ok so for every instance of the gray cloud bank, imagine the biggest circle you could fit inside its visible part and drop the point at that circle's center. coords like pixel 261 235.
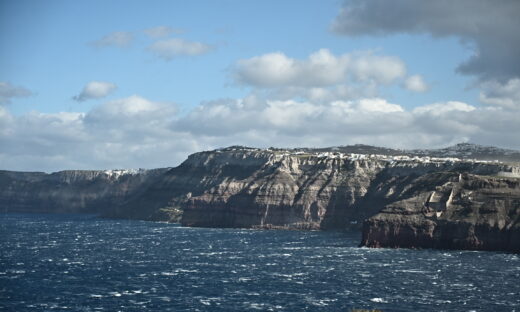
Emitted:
pixel 491 26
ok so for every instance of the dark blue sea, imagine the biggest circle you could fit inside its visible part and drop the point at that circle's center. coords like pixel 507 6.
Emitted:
pixel 82 263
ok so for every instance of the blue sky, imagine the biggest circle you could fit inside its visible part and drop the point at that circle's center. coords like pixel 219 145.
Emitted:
pixel 51 39
pixel 218 73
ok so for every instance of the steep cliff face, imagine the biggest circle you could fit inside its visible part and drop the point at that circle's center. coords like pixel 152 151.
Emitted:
pixel 451 211
pixel 299 191
pixel 274 189
pixel 309 192
pixel 78 191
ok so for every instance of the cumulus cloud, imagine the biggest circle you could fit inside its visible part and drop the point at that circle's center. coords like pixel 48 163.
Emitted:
pixel 348 91
pixel 381 69
pixel 415 83
pixel 371 121
pixel 9 91
pixel 321 68
pixel 138 132
pixel 491 26
pixel 133 107
pixel 258 122
pixel 499 94
pixel 116 39
pixel 167 49
pixel 95 90
pixel 299 120
pixel 162 31
pixel 378 105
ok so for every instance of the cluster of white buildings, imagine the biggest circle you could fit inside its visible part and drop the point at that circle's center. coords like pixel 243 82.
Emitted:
pixel 389 158
pixel 354 156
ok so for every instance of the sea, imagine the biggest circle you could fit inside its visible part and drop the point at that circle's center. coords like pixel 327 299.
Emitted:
pixel 71 262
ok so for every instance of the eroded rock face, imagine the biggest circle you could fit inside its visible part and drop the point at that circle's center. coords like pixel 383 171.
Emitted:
pixel 266 189
pixel 284 191
pixel 451 211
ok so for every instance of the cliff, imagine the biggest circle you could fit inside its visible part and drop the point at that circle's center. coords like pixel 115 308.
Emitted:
pixel 399 199
pixel 71 191
pixel 450 211
pixel 238 187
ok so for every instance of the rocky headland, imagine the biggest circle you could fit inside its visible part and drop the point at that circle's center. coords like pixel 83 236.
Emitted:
pixel 463 197
pixel 70 191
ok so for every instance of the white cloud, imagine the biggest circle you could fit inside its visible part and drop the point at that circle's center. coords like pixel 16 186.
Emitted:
pixel 378 105
pixel 505 95
pixel 169 48
pixel 437 109
pixel 268 70
pixel 415 83
pixel 118 39
pixel 162 31
pixel 320 69
pixel 381 69
pixel 131 107
pixel 348 91
pixel 131 132
pixel 95 90
pixel 137 132
pixel 9 91
pixel 289 114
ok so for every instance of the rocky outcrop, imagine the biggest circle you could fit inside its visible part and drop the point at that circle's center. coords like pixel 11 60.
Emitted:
pixel 71 191
pixel 450 211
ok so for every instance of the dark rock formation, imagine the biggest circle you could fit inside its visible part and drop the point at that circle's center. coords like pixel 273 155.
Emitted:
pixel 71 191
pixel 450 211
pixel 274 189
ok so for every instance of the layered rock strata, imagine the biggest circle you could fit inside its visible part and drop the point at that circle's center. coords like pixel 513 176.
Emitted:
pixel 450 211
pixel 271 189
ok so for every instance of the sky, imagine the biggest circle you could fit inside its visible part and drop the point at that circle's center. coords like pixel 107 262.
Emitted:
pixel 143 84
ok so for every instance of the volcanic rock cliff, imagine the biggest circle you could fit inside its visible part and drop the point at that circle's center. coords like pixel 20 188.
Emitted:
pixel 278 189
pixel 451 211
pixel 401 199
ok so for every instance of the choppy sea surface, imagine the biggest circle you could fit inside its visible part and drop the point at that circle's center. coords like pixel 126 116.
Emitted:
pixel 82 263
